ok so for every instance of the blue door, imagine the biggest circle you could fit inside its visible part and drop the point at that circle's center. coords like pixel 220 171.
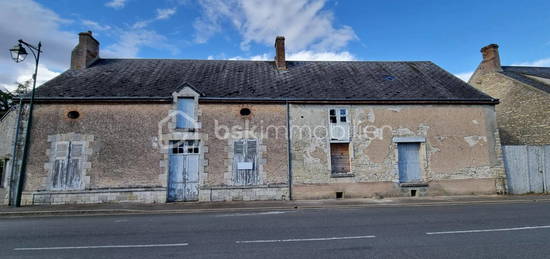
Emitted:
pixel 183 179
pixel 409 162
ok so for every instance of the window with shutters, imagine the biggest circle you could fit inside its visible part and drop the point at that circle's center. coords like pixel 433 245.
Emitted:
pixel 339 125
pixel 67 166
pixel 185 119
pixel 245 162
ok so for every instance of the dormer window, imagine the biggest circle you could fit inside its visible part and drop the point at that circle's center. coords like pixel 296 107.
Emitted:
pixel 185 118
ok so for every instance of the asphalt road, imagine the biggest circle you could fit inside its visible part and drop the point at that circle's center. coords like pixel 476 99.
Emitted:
pixel 517 230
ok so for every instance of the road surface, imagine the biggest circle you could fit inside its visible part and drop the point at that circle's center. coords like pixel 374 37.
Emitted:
pixel 510 230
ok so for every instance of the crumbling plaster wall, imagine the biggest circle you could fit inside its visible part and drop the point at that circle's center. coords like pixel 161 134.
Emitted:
pixel 523 114
pixel 459 143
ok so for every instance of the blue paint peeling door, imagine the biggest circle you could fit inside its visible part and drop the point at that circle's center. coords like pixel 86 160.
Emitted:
pixel 409 162
pixel 183 182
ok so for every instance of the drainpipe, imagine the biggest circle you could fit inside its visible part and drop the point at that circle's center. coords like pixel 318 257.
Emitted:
pixel 289 151
pixel 14 158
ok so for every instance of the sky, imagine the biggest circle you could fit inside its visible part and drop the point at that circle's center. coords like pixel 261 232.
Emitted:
pixel 448 33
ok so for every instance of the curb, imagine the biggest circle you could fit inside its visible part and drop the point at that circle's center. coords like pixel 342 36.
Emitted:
pixel 295 206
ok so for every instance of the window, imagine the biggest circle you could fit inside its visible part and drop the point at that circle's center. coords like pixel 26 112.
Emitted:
pixel 245 112
pixel 245 157
pixel 339 158
pixel 67 167
pixel 73 115
pixel 3 169
pixel 409 162
pixel 185 119
pixel 339 125
pixel 185 147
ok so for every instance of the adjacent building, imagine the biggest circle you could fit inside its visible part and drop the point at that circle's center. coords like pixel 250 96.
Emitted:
pixel 524 92
pixel 162 130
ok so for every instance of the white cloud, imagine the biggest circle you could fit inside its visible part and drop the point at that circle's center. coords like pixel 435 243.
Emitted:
pixel 545 62
pixel 95 26
pixel 304 23
pixel 162 14
pixel 34 23
pixel 116 4
pixel 165 13
pixel 256 58
pixel 130 42
pixel 465 76
pixel 307 55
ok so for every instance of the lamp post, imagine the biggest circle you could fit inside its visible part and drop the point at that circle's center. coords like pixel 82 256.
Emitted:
pixel 18 54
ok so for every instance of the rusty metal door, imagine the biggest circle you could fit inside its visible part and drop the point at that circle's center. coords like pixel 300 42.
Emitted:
pixel 183 181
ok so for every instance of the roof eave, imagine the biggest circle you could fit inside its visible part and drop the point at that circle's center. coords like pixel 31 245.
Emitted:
pixel 269 100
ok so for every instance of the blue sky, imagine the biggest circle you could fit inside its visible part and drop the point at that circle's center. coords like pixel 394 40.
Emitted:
pixel 449 33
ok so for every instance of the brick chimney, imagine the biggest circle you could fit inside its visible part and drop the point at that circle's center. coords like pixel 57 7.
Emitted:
pixel 86 52
pixel 280 61
pixel 491 59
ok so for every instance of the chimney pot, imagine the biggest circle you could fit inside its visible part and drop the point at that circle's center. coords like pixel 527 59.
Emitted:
pixel 86 52
pixel 280 60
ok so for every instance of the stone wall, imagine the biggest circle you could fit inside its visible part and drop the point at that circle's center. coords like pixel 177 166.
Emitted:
pixel 222 124
pixel 124 156
pixel 523 114
pixel 7 138
pixel 460 154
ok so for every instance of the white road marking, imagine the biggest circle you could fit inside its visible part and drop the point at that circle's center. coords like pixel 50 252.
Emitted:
pixel 252 214
pixel 303 239
pixel 95 247
pixel 486 230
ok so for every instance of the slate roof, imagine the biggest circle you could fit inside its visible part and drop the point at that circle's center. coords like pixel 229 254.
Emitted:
pixel 225 79
pixel 519 73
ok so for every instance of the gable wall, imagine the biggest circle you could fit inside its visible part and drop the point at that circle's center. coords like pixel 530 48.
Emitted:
pixel 523 115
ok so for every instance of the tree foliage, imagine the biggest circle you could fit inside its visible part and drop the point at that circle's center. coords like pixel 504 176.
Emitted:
pixel 6 98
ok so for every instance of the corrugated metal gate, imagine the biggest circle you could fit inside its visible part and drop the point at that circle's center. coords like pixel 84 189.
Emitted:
pixel 527 168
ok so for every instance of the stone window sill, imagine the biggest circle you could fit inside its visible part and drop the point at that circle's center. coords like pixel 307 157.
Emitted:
pixel 342 175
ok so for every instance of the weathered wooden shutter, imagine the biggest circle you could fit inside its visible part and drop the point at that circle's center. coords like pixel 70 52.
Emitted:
pixel 67 168
pixel 74 166
pixel 409 162
pixel 244 162
pixel 60 164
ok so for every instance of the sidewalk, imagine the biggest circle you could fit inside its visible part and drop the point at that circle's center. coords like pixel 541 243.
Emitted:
pixel 234 206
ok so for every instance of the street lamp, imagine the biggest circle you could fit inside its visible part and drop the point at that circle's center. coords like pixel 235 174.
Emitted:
pixel 18 54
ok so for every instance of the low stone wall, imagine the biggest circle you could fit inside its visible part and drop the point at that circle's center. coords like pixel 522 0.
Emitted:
pixel 240 193
pixel 141 195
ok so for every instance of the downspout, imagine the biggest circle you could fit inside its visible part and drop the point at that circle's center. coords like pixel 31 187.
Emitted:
pixel 14 158
pixel 289 151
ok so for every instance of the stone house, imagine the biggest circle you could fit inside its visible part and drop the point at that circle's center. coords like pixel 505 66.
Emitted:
pixel 7 135
pixel 161 130
pixel 524 112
